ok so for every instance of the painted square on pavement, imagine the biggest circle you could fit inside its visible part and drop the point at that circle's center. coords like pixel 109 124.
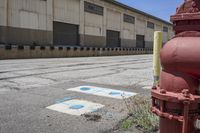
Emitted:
pixel 106 92
pixel 75 107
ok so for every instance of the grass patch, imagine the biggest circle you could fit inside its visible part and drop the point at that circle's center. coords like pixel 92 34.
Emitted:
pixel 126 124
pixel 140 114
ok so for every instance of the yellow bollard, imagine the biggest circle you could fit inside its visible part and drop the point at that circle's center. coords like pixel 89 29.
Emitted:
pixel 158 37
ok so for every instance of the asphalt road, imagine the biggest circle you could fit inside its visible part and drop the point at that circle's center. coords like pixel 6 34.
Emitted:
pixel 27 87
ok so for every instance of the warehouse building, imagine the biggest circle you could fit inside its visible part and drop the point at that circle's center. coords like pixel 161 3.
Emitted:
pixel 93 23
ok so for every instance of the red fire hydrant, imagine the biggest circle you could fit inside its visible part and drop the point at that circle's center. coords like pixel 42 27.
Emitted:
pixel 177 98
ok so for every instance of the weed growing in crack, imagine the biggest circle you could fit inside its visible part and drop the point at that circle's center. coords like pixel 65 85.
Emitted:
pixel 140 114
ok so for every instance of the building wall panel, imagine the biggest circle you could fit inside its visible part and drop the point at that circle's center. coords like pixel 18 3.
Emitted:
pixel 93 24
pixel 14 18
pixel 171 34
pixel 67 11
pixel 158 27
pixel 140 26
pixel 113 20
pixel 26 22
pixel 49 15
pixel 31 14
pixel 165 37
pixel 128 39
pixel 168 35
pixel 2 17
pixel 93 30
pixel 149 34
pixel 128 31
pixel 3 12
pixel 2 3
pixel 29 20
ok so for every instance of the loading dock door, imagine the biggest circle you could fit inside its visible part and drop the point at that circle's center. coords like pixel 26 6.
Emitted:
pixel 113 38
pixel 140 42
pixel 65 34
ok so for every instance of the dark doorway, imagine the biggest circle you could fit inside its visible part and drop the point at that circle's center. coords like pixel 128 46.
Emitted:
pixel 140 42
pixel 65 34
pixel 112 38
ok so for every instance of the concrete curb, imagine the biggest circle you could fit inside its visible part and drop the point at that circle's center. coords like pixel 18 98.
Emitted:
pixel 27 52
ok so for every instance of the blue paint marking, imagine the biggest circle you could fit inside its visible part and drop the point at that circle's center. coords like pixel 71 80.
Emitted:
pixel 114 93
pixel 85 89
pixel 76 107
pixel 64 99
pixel 103 92
pixel 94 110
pixel 128 95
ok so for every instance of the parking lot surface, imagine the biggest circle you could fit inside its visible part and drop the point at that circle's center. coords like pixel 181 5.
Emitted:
pixel 28 87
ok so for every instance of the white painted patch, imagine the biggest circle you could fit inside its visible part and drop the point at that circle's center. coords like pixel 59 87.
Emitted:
pixel 197 124
pixel 118 94
pixel 75 107
pixel 147 87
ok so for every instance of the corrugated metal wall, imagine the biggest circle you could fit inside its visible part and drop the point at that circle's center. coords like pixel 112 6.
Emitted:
pixel 113 38
pixel 140 41
pixel 65 34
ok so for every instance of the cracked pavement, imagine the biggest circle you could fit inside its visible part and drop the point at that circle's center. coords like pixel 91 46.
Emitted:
pixel 28 86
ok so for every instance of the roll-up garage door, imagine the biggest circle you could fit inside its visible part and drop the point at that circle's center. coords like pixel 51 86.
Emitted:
pixel 140 42
pixel 65 34
pixel 113 38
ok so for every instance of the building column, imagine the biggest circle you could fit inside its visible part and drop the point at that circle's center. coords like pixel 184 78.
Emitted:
pixel 104 30
pixel 122 29
pixel 4 22
pixel 82 24
pixel 50 19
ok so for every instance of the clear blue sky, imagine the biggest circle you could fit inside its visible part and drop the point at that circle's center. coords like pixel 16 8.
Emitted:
pixel 159 8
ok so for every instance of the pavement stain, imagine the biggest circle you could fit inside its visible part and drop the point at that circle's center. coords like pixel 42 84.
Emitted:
pixel 92 117
pixel 14 88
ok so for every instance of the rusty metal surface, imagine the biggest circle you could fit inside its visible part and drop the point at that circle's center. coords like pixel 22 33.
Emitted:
pixel 187 17
pixel 176 99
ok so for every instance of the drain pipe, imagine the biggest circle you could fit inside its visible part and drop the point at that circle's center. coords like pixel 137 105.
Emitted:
pixel 158 37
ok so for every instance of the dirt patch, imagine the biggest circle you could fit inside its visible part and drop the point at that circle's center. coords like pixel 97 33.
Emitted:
pixel 92 117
